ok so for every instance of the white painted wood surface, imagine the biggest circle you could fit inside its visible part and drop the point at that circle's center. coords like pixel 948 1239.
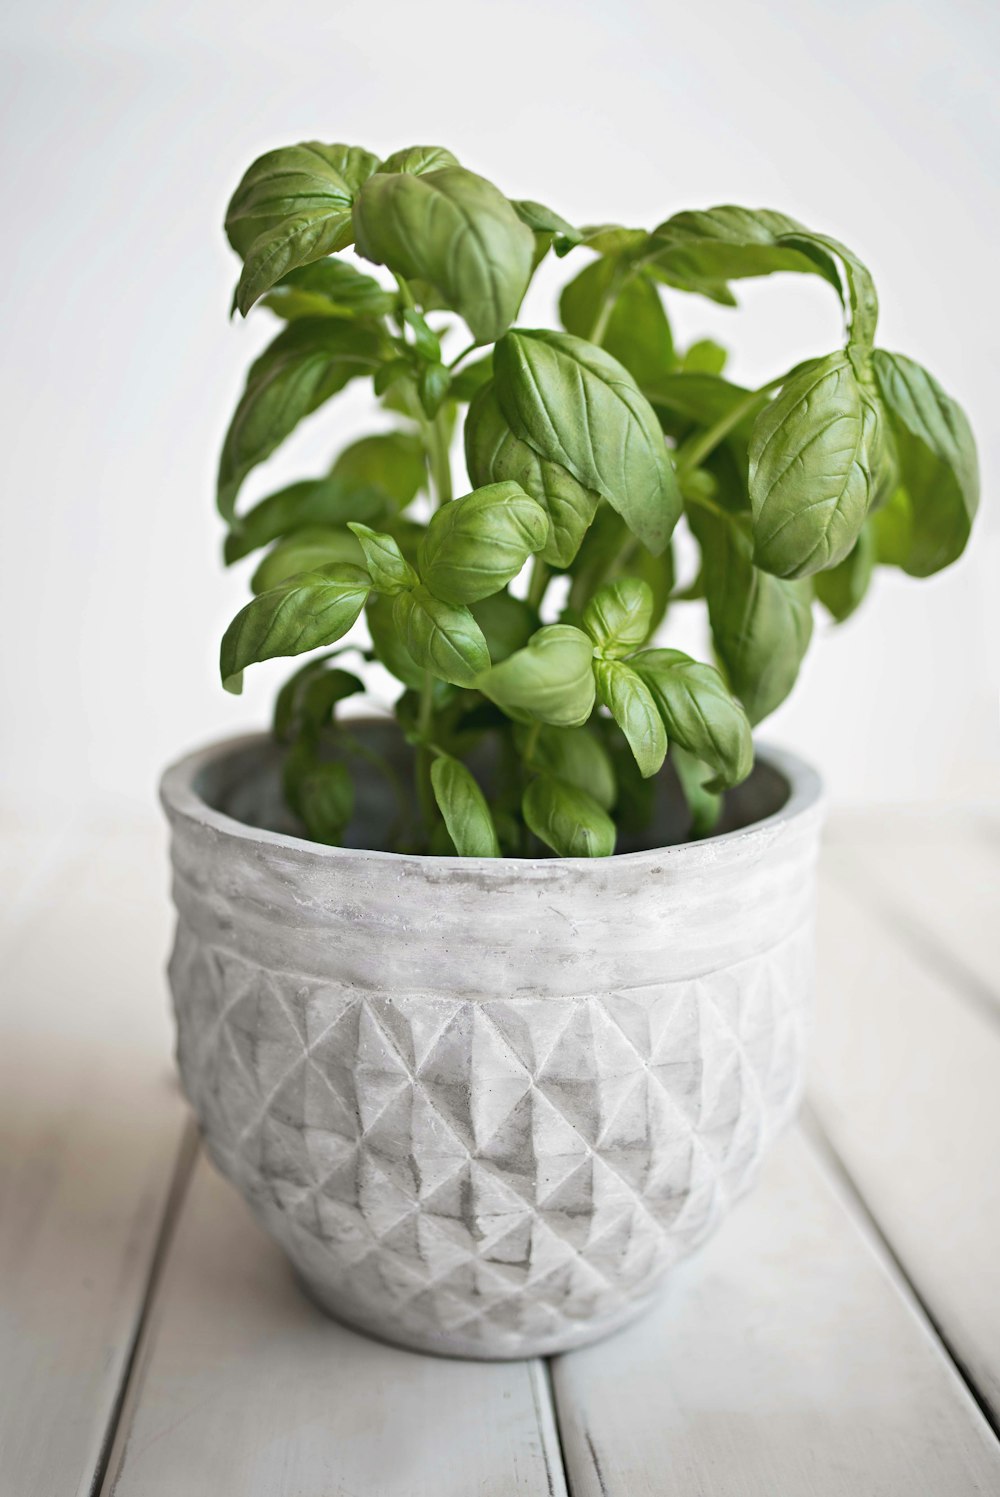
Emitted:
pixel 906 1083
pixel 790 1358
pixel 90 1125
pixel 785 1360
pixel 244 1390
pixel 935 878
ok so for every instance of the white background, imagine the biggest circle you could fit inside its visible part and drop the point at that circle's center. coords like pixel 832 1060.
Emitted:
pixel 127 125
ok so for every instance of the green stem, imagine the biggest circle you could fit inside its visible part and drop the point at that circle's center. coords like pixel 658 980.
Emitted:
pixel 531 742
pixel 463 355
pixel 618 278
pixel 539 582
pixel 424 757
pixel 438 458
pixel 694 452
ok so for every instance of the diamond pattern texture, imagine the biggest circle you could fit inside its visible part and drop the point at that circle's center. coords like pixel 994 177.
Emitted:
pixel 484 1113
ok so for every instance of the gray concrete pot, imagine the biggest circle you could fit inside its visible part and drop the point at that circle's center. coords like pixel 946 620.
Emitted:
pixel 485 1105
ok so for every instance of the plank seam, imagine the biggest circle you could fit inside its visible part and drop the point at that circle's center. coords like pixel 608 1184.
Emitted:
pixel 187 1152
pixel 550 1387
pixel 930 947
pixel 814 1130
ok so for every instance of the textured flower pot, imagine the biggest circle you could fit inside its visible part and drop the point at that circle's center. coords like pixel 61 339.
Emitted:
pixel 485 1105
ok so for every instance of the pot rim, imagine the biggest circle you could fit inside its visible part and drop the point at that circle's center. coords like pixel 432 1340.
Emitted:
pixel 180 798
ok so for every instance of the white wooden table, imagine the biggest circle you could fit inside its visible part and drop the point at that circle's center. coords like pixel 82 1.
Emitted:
pixel 841 1334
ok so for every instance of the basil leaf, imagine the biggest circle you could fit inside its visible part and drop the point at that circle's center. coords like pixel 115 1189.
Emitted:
pixel 306 364
pixel 471 379
pixel 810 478
pixel 698 712
pixel 441 637
pixel 761 624
pixel 388 646
pixel 293 206
pixel 704 804
pixel 542 220
pixel 631 704
pixel 729 243
pixel 703 357
pixel 705 400
pixel 507 623
pixel 618 616
pixel 310 694
pixel 312 503
pixel 328 288
pixel 551 680
pixel 305 551
pixel 938 467
pixel 392 461
pixel 577 406
pixel 576 756
pixel 418 159
pixel 474 546
pixel 390 572
pixel 637 333
pixel 456 231
pixel 433 383
pixel 494 454
pixel 843 587
pixel 464 808
pixel 323 795
pixel 567 819
pixel 309 610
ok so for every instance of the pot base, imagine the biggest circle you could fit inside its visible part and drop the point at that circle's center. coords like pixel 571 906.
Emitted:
pixel 467 1348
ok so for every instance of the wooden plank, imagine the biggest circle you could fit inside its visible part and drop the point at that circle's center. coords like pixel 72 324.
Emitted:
pixel 245 1390
pixel 784 1359
pixel 935 875
pixel 90 1128
pixel 907 1086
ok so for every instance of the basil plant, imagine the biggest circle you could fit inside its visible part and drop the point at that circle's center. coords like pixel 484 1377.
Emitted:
pixel 519 617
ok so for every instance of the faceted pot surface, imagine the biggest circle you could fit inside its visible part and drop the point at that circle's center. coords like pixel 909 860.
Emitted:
pixel 484 1105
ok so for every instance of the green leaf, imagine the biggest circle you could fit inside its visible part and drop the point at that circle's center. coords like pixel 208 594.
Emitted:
pixel 576 756
pixel 542 220
pixel 418 159
pixel 307 611
pixel 392 461
pixel 309 695
pixel 698 712
pixel 703 357
pixel 306 364
pixel 433 383
pixel 463 806
pixel 705 805
pixel 494 454
pixel 441 637
pixel 551 680
pixel 474 546
pixel 328 288
pixel 811 471
pixel 576 406
pixel 637 332
pixel 843 587
pixel 618 616
pixel 761 624
pixel 456 231
pixel 568 819
pixel 388 646
pixel 312 503
pixel 472 377
pixel 507 623
pixel 390 572
pixel 323 795
pixel 293 206
pixel 729 243
pixel 631 704
pixel 938 467
pixel 705 400
pixel 306 551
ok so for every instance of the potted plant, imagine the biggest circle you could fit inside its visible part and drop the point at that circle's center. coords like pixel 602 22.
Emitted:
pixel 490 1004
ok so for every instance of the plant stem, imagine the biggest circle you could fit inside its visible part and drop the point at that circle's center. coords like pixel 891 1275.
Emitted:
pixel 463 355
pixel 425 728
pixel 539 582
pixel 531 741
pixel 694 452
pixel 438 459
pixel 618 278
